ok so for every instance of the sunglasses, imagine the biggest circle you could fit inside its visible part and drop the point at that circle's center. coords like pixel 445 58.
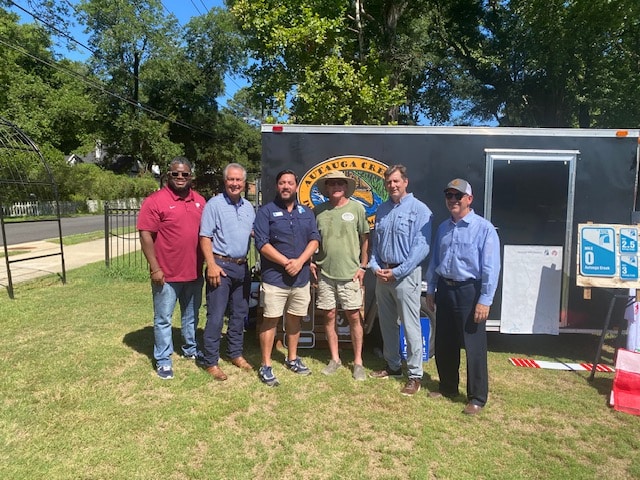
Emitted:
pixel 458 195
pixel 180 174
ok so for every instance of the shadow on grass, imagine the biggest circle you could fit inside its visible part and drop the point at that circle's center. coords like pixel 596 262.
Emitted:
pixel 569 347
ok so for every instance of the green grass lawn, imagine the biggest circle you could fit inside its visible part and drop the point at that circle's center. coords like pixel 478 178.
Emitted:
pixel 80 400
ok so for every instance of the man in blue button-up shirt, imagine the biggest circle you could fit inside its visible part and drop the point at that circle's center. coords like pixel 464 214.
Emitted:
pixel 464 268
pixel 399 245
pixel 225 230
pixel 286 236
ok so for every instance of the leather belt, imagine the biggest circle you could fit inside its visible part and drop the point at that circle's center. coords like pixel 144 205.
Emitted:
pixel 455 283
pixel 390 265
pixel 239 261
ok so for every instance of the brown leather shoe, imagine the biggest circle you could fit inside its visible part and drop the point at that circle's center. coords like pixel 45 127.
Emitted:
pixel 216 372
pixel 241 363
pixel 471 409
pixel 411 388
pixel 439 394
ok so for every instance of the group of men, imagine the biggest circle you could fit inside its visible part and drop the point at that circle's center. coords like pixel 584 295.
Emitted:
pixel 327 247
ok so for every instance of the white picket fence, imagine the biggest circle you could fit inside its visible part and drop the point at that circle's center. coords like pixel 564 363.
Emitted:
pixel 39 209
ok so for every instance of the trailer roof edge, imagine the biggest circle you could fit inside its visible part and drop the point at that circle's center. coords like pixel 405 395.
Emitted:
pixel 421 130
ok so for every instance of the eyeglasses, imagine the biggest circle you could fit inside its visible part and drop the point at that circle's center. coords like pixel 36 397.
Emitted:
pixel 456 195
pixel 335 182
pixel 180 174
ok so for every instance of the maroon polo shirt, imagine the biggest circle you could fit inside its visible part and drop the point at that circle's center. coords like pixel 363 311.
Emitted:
pixel 176 223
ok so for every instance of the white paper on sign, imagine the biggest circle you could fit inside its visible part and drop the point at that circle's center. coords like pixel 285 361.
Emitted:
pixel 531 289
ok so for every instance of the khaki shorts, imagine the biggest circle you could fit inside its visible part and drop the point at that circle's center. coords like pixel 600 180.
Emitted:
pixel 346 292
pixel 278 300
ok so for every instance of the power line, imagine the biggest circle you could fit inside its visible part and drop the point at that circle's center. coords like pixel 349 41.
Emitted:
pixel 93 52
pixel 196 7
pixel 102 89
pixel 54 28
pixel 205 7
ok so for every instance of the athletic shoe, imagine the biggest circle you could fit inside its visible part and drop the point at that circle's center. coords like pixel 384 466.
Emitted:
pixel 296 366
pixel 359 373
pixel 267 377
pixel 165 372
pixel 331 368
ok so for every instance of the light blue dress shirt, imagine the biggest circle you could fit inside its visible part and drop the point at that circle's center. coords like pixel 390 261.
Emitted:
pixel 401 235
pixel 469 249
pixel 228 225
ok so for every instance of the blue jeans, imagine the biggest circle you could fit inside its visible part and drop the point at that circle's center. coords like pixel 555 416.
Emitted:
pixel 189 295
pixel 233 292
pixel 401 300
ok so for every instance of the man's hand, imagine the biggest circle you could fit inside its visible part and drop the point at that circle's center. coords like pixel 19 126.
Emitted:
pixel 385 275
pixel 359 276
pixel 214 272
pixel 293 266
pixel 431 302
pixel 157 277
pixel 481 313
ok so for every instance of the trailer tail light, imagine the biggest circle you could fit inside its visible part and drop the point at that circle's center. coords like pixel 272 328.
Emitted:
pixel 622 133
pixel 277 128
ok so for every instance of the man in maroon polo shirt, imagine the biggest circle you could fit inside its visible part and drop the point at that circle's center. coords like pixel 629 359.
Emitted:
pixel 169 222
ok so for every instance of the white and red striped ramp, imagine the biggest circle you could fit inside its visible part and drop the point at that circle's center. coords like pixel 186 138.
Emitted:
pixel 531 363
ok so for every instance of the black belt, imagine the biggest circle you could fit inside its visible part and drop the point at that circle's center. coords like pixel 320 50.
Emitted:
pixel 239 261
pixel 390 265
pixel 455 283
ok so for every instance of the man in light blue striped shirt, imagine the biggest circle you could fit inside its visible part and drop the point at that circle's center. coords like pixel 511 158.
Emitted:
pixel 400 244
pixel 464 268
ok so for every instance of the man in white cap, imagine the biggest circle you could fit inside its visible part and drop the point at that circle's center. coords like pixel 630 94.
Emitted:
pixel 341 263
pixel 464 268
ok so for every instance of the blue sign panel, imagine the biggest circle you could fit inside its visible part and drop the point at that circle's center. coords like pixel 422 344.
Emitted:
pixel 598 252
pixel 628 267
pixel 628 240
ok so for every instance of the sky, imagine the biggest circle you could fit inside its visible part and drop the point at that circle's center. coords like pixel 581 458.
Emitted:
pixel 183 11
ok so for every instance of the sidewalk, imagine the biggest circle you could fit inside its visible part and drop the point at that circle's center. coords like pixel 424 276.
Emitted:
pixel 74 256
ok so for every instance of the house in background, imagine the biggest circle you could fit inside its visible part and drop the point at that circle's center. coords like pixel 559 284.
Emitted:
pixel 120 164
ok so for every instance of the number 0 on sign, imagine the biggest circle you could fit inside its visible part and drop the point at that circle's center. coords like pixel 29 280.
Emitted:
pixel 598 252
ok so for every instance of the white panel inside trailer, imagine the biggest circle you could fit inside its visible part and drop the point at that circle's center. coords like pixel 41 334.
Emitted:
pixel 532 283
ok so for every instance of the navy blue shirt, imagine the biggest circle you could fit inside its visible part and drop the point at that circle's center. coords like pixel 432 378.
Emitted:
pixel 289 233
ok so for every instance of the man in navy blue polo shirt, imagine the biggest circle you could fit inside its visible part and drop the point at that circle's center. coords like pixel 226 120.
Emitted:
pixel 225 231
pixel 286 236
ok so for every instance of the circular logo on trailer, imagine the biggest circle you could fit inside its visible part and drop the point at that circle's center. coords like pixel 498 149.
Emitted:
pixel 367 173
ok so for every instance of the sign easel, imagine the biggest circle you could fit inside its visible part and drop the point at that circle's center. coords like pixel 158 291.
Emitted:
pixel 607 258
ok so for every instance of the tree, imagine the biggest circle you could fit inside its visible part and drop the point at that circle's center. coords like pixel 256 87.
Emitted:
pixel 125 38
pixel 46 97
pixel 308 64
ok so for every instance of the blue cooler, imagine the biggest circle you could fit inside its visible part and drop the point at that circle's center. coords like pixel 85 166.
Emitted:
pixel 426 326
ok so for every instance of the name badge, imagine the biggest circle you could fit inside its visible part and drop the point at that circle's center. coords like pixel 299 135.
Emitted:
pixel 277 214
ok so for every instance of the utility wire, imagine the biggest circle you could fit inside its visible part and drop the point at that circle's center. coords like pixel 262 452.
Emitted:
pixel 93 52
pixel 102 89
pixel 196 7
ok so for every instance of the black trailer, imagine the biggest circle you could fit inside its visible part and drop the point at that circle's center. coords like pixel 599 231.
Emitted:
pixel 534 185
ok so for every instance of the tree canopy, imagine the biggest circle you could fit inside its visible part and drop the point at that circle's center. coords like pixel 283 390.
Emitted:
pixel 148 87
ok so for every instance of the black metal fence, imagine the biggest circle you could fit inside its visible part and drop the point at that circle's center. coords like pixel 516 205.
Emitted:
pixel 121 238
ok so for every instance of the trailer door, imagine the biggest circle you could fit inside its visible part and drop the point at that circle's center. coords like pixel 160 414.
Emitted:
pixel 529 198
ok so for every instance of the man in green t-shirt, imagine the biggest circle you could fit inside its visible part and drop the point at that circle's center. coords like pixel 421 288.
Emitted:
pixel 340 264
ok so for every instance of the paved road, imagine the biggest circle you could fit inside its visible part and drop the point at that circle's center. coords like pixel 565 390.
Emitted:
pixel 34 231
